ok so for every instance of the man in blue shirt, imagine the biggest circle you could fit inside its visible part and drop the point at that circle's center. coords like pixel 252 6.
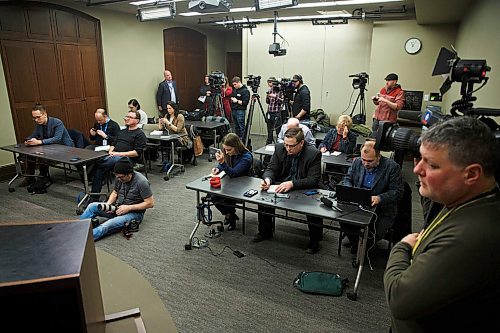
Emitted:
pixel 48 131
pixel 383 176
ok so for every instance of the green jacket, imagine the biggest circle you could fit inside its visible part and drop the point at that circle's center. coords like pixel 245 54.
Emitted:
pixel 453 282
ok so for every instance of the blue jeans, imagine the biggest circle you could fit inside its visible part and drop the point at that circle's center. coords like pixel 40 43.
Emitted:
pixel 239 122
pixel 115 222
pixel 102 167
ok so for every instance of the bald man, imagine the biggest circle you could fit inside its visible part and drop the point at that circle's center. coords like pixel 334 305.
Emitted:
pixel 294 122
pixel 104 131
pixel 167 91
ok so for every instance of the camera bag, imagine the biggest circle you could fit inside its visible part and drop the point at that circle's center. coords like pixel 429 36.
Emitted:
pixel 322 283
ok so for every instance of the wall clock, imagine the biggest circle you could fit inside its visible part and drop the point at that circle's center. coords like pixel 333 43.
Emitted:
pixel 413 45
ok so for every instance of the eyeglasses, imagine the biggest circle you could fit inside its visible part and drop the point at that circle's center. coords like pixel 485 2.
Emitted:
pixel 120 177
pixel 291 146
pixel 128 117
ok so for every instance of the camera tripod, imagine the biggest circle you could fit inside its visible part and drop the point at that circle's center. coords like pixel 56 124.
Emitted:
pixel 216 106
pixel 361 117
pixel 246 136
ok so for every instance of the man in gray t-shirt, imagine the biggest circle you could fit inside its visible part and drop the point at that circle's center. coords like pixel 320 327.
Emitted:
pixel 131 195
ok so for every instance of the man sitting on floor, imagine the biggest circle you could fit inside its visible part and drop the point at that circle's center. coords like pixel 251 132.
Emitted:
pixel 131 196
pixel 130 143
pixel 295 165
pixel 48 130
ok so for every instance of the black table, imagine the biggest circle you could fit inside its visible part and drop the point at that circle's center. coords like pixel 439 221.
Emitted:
pixel 298 202
pixel 167 138
pixel 59 154
pixel 208 126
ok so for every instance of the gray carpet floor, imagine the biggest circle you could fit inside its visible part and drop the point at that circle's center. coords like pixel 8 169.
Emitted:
pixel 212 290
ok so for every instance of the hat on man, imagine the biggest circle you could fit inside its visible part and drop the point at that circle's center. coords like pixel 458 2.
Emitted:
pixel 271 79
pixel 123 166
pixel 392 76
pixel 297 77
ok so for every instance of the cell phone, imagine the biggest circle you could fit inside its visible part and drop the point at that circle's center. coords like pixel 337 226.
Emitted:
pixel 74 159
pixel 213 150
pixel 250 193
pixel 282 195
pixel 311 192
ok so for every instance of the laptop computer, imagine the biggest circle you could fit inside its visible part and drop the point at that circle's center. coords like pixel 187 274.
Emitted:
pixel 354 195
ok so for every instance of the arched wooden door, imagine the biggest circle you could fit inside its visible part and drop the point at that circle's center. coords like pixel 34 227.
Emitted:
pixel 51 55
pixel 186 57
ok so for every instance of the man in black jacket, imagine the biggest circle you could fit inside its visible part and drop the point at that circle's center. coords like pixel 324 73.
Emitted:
pixel 295 165
pixel 239 101
pixel 301 105
pixel 104 131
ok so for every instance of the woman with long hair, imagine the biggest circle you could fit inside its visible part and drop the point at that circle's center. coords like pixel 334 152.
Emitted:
pixel 235 160
pixel 174 123
pixel 227 90
pixel 134 106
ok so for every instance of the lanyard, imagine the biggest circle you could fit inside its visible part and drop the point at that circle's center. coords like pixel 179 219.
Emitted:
pixel 105 128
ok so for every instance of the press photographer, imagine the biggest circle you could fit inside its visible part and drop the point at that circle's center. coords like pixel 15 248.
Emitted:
pixel 275 115
pixel 301 105
pixel 131 197
pixel 239 102
pixel 389 101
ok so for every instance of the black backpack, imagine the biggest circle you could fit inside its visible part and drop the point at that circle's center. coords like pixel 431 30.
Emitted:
pixel 39 186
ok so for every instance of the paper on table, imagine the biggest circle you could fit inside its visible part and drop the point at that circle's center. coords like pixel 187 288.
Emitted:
pixel 220 175
pixel 336 153
pixel 272 189
pixel 166 136
pixel 326 153
pixel 102 148
pixel 270 147
pixel 157 132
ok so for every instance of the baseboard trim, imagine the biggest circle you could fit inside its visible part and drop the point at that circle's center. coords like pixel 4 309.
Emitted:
pixel 7 172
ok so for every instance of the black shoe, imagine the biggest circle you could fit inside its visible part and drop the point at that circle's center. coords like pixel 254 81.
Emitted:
pixel 27 181
pixel 312 248
pixel 95 222
pixel 260 237
pixel 230 218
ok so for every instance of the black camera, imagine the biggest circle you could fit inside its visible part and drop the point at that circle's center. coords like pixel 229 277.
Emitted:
pixel 391 137
pixel 104 207
pixel 216 80
pixel 253 82
pixel 287 87
pixel 132 226
pixel 360 80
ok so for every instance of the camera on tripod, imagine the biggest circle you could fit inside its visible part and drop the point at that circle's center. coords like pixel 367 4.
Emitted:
pixel 253 82
pixel 391 137
pixel 284 85
pixel 360 80
pixel 216 80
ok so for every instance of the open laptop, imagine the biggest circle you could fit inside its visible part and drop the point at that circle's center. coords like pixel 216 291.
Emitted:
pixel 353 195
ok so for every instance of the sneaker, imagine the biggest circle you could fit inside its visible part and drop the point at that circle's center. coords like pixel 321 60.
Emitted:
pixel 312 248
pixel 260 237
pixel 27 181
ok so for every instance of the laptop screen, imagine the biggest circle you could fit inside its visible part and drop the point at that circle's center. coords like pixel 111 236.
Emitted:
pixel 354 195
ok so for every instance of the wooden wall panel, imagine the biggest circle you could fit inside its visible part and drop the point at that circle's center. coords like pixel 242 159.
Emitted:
pixel 12 22
pixel 46 70
pixel 18 57
pixel 71 71
pixel 65 26
pixel 87 31
pixel 39 25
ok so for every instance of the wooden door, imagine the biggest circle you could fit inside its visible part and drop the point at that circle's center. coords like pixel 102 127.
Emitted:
pixel 233 64
pixel 186 57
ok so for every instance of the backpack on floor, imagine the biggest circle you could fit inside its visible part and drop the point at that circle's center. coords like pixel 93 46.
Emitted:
pixel 39 186
pixel 322 283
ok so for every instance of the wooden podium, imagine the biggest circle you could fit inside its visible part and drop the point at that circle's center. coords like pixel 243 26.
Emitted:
pixel 48 278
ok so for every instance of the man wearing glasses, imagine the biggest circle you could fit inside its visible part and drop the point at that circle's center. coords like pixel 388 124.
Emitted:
pixel 130 142
pixel 48 130
pixel 131 197
pixel 294 165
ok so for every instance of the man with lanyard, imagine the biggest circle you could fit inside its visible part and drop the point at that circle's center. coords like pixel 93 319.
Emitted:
pixel 383 176
pixel 294 165
pixel 48 130
pixel 104 130
pixel 301 105
pixel 447 277
pixel 275 119
pixel 131 196
pixel 130 142
pixel 167 91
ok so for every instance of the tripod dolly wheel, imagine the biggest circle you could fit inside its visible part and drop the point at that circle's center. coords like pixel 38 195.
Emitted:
pixel 352 296
pixel 188 247
pixel 12 189
pixel 220 228
pixel 166 178
pixel 79 211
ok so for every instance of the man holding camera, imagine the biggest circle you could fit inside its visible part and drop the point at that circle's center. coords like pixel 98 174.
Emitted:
pixel 274 100
pixel 389 101
pixel 104 131
pixel 447 277
pixel 239 102
pixel 129 200
pixel 301 105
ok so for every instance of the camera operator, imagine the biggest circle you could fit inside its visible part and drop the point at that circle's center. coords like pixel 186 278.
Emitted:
pixel 239 101
pixel 274 99
pixel 301 105
pixel 389 101
pixel 132 196
pixel 205 98
pixel 447 277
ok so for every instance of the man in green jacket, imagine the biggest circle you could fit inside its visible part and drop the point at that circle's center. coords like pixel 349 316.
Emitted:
pixel 447 277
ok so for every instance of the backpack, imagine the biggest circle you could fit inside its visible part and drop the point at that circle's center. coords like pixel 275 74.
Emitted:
pixel 39 186
pixel 320 117
pixel 361 129
pixel 194 115
pixel 320 283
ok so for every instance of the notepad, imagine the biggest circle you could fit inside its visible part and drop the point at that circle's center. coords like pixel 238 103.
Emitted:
pixel 166 137
pixel 272 189
pixel 157 132
pixel 270 147
pixel 102 148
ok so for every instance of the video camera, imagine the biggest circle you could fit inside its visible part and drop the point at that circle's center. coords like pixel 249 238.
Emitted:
pixel 360 80
pixel 390 136
pixel 216 80
pixel 253 82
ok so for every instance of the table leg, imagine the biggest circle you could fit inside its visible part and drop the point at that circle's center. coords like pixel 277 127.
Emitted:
pixel 85 188
pixel 18 172
pixel 243 219
pixel 189 244
pixel 363 240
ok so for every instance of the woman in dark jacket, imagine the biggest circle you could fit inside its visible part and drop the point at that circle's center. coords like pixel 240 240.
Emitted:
pixel 235 160
pixel 340 138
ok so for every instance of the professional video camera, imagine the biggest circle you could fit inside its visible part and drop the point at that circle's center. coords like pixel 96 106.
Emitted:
pixel 360 80
pixel 391 137
pixel 104 207
pixel 253 82
pixel 216 80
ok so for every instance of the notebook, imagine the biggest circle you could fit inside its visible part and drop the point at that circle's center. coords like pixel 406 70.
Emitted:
pixel 354 195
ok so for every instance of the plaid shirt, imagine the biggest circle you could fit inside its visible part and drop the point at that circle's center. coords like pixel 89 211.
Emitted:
pixel 274 103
